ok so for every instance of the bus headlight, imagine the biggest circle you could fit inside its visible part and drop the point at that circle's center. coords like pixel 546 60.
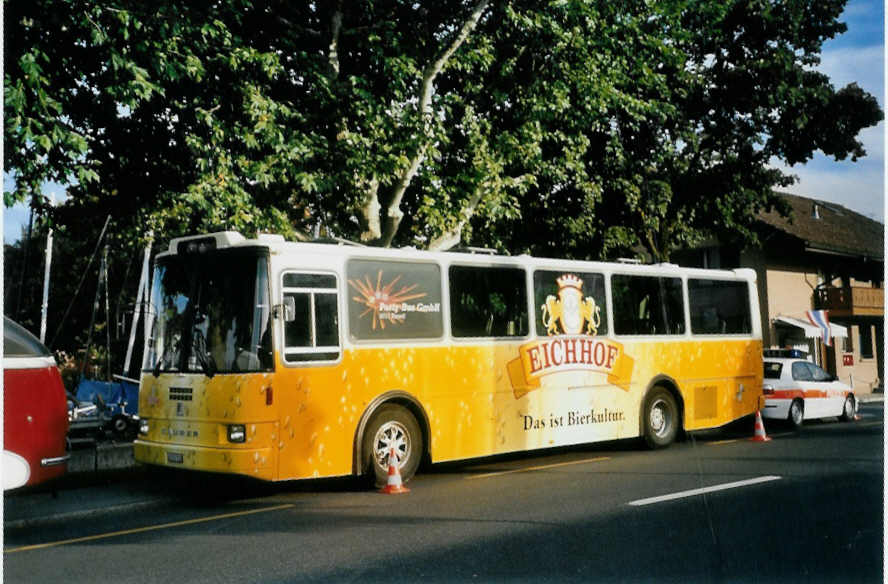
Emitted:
pixel 144 426
pixel 237 433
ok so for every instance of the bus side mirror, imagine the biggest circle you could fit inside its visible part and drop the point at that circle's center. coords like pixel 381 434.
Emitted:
pixel 287 310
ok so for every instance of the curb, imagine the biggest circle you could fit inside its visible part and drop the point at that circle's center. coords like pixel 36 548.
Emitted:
pixel 869 398
pixel 79 514
pixel 101 457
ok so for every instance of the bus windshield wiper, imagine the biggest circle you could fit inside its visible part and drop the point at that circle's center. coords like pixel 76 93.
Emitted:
pixel 199 346
pixel 159 365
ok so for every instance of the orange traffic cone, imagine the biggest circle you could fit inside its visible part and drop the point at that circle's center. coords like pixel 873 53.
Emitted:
pixel 760 435
pixel 394 486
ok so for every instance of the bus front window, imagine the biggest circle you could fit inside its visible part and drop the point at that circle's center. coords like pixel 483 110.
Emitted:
pixel 211 314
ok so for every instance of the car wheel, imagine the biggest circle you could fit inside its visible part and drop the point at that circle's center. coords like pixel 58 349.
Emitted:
pixel 796 413
pixel 661 418
pixel 848 409
pixel 392 428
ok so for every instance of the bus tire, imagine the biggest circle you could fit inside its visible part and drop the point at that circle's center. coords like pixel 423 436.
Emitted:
pixel 660 418
pixel 391 427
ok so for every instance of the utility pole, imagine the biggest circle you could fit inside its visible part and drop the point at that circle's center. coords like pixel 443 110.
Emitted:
pixel 141 301
pixel 44 307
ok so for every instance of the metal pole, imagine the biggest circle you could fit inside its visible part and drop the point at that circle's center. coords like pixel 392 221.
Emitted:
pixel 107 315
pixel 141 298
pixel 92 320
pixel 44 307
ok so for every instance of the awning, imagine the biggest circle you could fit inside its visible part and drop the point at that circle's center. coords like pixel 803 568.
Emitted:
pixel 812 331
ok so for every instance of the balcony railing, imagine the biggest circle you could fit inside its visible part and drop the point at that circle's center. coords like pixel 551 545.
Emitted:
pixel 850 301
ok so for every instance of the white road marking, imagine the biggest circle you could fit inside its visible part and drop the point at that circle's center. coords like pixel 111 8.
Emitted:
pixel 695 492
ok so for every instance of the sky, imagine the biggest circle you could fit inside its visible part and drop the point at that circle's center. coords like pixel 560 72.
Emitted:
pixel 856 56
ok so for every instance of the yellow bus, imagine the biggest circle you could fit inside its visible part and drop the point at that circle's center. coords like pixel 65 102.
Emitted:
pixel 283 360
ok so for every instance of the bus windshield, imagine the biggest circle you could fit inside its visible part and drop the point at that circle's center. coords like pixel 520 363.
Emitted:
pixel 212 314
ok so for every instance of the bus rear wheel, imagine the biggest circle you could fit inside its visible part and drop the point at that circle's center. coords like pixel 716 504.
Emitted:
pixel 392 429
pixel 661 418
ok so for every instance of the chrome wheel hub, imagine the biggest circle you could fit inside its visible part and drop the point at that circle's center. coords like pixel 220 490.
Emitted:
pixel 659 418
pixel 391 436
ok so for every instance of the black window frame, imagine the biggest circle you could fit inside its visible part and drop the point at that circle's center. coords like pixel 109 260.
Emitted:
pixel 673 309
pixel 599 294
pixel 314 353
pixel 431 327
pixel 701 312
pixel 802 366
pixel 459 324
pixel 775 367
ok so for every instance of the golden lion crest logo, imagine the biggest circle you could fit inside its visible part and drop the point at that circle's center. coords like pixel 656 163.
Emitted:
pixel 567 314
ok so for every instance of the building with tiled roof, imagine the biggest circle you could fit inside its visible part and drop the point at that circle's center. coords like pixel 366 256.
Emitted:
pixel 829 228
pixel 822 257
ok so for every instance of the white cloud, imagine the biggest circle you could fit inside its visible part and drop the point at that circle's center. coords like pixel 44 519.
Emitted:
pixel 861 65
pixel 858 187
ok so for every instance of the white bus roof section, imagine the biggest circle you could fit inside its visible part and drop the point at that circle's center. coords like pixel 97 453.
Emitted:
pixel 222 238
pixel 277 244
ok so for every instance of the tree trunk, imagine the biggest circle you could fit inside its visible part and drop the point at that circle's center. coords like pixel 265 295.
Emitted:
pixel 393 212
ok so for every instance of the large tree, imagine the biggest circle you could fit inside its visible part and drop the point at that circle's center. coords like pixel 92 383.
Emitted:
pixel 571 128
pixel 699 99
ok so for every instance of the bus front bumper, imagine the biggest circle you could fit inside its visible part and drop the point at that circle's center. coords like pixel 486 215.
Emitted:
pixel 254 462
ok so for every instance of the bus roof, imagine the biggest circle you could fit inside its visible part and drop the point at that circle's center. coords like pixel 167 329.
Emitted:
pixel 197 244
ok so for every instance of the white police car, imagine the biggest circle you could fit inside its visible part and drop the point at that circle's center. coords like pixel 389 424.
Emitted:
pixel 796 390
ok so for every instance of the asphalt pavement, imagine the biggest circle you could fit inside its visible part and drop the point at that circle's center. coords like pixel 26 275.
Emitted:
pixel 105 479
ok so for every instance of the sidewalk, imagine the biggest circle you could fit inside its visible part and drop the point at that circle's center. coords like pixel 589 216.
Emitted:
pixel 76 499
pixel 100 479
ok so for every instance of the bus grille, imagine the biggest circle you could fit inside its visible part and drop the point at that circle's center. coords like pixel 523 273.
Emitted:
pixel 180 393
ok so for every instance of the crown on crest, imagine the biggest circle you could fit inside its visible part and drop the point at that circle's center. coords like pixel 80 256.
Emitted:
pixel 569 281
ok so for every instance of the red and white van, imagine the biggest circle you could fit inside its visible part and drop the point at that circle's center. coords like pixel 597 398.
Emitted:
pixel 35 411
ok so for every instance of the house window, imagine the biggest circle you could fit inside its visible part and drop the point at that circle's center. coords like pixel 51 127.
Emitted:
pixel 848 344
pixel 866 341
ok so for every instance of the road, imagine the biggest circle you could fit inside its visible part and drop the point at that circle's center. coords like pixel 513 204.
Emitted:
pixel 804 507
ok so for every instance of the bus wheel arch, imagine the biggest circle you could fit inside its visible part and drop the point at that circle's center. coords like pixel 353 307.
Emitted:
pixel 662 413
pixel 390 409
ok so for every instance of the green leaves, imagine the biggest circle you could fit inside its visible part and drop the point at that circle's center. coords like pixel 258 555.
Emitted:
pixel 563 128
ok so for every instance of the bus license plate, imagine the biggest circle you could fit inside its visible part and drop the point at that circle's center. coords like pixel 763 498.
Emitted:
pixel 174 457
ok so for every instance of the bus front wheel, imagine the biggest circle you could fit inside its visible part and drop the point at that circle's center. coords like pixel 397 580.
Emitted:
pixel 661 418
pixel 392 436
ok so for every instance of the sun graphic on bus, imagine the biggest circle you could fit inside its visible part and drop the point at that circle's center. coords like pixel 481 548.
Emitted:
pixel 381 301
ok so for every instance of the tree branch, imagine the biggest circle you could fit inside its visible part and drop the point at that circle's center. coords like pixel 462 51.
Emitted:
pixel 453 236
pixel 393 213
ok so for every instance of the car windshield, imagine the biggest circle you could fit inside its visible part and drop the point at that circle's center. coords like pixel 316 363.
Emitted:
pixel 19 342
pixel 211 314
pixel 772 370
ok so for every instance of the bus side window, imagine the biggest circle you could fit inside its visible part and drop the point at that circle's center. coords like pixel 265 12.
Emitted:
pixel 647 305
pixel 311 323
pixel 719 307
pixel 488 302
